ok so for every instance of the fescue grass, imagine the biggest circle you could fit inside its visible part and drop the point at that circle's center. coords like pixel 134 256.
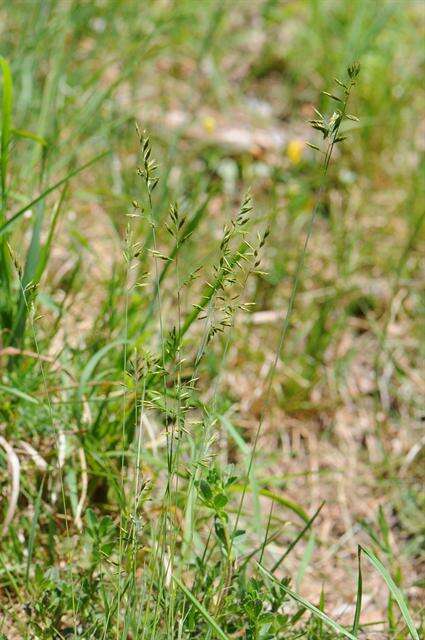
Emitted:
pixel 167 458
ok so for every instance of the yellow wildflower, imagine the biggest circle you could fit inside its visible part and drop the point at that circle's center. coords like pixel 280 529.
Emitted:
pixel 209 124
pixel 294 151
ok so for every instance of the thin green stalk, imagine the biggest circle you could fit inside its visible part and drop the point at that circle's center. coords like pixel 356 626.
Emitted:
pixel 334 138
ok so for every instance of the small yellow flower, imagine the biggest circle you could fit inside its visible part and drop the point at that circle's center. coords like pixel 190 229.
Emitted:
pixel 209 124
pixel 294 151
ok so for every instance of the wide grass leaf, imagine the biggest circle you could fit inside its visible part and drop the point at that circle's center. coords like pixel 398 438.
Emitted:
pixel 394 590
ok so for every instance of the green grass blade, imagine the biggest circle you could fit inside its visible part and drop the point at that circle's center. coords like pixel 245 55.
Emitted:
pixel 94 361
pixel 305 603
pixel 45 251
pixel 31 538
pixel 285 502
pixel 246 452
pixel 5 227
pixel 6 126
pixel 29 135
pixel 277 497
pixel 297 538
pixel 204 613
pixel 18 393
pixel 305 560
pixel 394 590
pixel 357 612
pixel 34 268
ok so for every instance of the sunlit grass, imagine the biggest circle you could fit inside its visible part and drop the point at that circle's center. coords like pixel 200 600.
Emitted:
pixel 195 382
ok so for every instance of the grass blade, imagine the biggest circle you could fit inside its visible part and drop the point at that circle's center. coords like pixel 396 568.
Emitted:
pixel 29 135
pixel 6 126
pixel 245 452
pixel 31 538
pixel 18 393
pixel 305 603
pixel 357 612
pixel 305 560
pixel 204 613
pixel 36 263
pixel 394 590
pixel 297 538
pixel 5 227
pixel 279 498
pixel 285 502
pixel 93 362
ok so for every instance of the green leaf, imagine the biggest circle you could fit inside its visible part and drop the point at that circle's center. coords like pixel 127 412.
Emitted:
pixel 91 520
pixel 205 489
pixel 220 500
pixel 204 613
pixel 394 590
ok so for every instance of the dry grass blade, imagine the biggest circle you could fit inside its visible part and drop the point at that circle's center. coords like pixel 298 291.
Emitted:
pixel 14 470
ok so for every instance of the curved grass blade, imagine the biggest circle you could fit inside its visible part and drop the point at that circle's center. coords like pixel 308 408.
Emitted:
pixel 18 393
pixel 305 603
pixel 279 498
pixel 394 590
pixel 204 613
pixel 29 135
pixel 94 361
pixel 5 227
